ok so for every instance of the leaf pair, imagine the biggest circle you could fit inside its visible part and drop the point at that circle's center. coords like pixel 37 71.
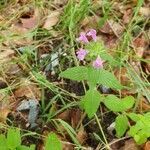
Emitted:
pixel 119 105
pixel 94 76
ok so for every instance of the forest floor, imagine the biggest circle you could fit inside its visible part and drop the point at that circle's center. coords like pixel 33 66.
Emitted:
pixel 38 40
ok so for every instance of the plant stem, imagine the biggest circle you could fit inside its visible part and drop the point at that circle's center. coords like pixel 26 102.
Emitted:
pixel 100 127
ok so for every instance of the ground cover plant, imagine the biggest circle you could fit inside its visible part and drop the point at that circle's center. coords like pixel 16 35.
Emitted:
pixel 74 75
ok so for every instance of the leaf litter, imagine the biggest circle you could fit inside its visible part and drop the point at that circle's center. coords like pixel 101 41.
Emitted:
pixel 23 93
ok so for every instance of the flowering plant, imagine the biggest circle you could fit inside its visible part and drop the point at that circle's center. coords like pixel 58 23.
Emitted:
pixel 94 74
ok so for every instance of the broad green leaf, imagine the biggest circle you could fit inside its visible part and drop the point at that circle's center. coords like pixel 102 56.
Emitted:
pixel 121 125
pixel 113 103
pixel 91 102
pixel 109 80
pixel 104 77
pixel 133 116
pixel 118 105
pixel 52 142
pixel 3 144
pixel 13 138
pixel 128 102
pixel 75 73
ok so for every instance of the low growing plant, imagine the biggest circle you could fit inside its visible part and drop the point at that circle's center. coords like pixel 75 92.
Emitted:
pixel 94 74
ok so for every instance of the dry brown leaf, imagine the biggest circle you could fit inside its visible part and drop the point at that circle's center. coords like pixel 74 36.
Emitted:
pixel 28 89
pixel 144 105
pixel 147 146
pixel 6 54
pixel 112 27
pixel 52 19
pixel 3 84
pixel 130 145
pixel 75 117
pixel 81 135
pixel 145 11
pixel 64 115
pixel 122 76
pixel 3 114
pixel 29 23
pixel 90 22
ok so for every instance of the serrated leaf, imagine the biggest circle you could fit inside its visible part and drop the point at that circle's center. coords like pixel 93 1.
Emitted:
pixel 104 77
pixel 121 125
pixel 113 103
pixel 13 138
pixel 128 102
pixel 76 73
pixel 109 80
pixel 118 105
pixel 52 142
pixel 91 102
pixel 3 143
pixel 134 117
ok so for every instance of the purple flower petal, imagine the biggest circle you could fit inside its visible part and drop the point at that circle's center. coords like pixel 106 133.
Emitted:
pixel 81 53
pixel 98 63
pixel 92 33
pixel 83 38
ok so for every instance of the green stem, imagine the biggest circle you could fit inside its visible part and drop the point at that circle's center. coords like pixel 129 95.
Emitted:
pixel 101 129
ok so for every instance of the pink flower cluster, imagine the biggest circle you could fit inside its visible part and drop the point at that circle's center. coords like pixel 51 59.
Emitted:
pixel 81 53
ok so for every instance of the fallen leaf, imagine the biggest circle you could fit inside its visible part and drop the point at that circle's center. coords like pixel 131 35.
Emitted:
pixel 112 27
pixel 144 105
pixel 144 11
pixel 75 117
pixel 52 19
pixel 147 146
pixel 29 23
pixel 130 145
pixel 27 89
pixel 3 83
pixel 3 114
pixel 81 135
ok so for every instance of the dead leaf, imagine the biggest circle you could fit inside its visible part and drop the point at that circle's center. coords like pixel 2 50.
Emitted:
pixel 64 115
pixel 81 136
pixel 144 105
pixel 3 114
pixel 29 23
pixel 32 21
pixel 112 27
pixel 75 117
pixel 122 76
pixel 3 83
pixel 147 146
pixel 144 11
pixel 28 89
pixel 6 54
pixel 52 19
pixel 130 145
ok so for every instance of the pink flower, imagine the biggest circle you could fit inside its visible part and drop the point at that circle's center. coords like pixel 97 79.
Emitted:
pixel 81 53
pixel 83 38
pixel 98 63
pixel 92 33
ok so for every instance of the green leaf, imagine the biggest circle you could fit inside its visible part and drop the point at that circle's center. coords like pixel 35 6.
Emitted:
pixel 109 80
pixel 91 102
pixel 13 138
pixel 104 77
pixel 121 125
pixel 134 117
pixel 118 105
pixel 53 143
pixel 113 103
pixel 3 144
pixel 75 73
pixel 128 102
